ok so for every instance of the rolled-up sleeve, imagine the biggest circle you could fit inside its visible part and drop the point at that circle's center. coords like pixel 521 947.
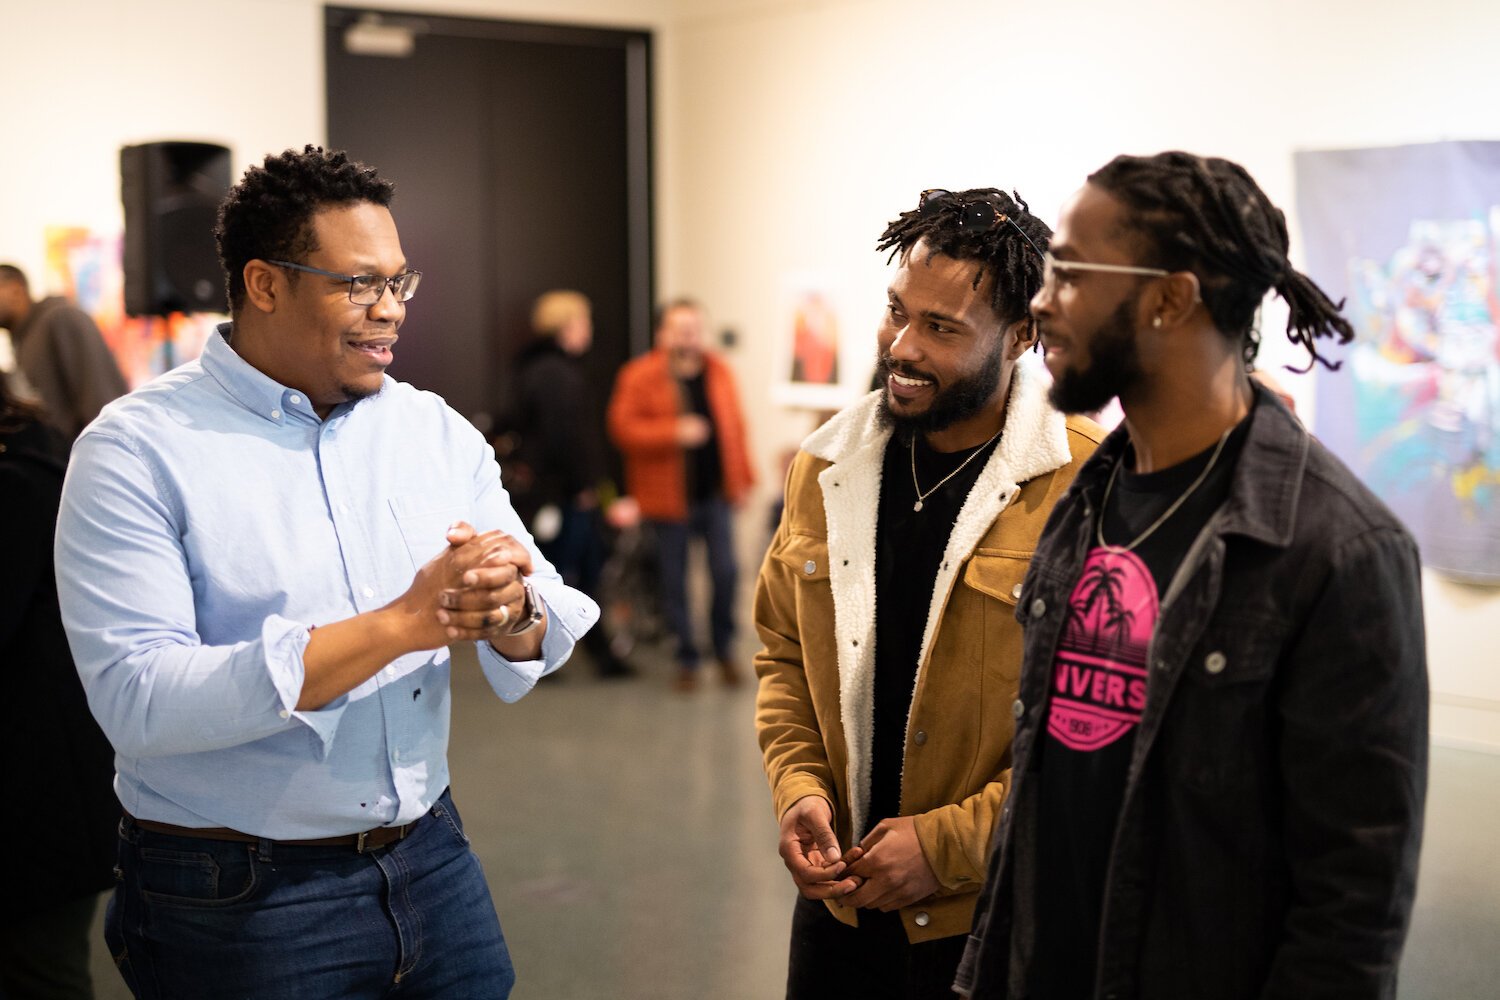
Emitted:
pixel 125 586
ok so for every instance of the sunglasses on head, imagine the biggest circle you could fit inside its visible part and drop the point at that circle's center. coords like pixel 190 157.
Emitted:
pixel 979 215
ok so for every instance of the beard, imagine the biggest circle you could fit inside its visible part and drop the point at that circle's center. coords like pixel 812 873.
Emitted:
pixel 959 401
pixel 354 393
pixel 1114 367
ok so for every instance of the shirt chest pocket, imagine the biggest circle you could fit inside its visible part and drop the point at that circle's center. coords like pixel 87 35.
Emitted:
pixel 424 518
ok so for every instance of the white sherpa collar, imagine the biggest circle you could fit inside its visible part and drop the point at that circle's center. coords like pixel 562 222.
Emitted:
pixel 1034 443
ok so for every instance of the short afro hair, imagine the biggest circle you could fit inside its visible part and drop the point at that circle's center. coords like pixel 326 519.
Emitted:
pixel 268 214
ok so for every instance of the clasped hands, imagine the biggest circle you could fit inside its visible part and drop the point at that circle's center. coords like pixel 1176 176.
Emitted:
pixel 885 871
pixel 471 590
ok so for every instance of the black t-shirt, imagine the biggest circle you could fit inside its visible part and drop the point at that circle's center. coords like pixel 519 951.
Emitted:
pixel 1098 691
pixel 909 548
pixel 705 472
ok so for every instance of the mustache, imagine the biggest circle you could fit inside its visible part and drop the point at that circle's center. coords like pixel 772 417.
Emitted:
pixel 888 365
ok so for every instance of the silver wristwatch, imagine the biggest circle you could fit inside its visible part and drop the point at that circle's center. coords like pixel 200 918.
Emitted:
pixel 532 614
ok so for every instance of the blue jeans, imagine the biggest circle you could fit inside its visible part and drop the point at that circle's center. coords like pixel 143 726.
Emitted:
pixel 710 520
pixel 211 919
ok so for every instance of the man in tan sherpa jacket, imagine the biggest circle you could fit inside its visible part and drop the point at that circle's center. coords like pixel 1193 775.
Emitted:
pixel 886 607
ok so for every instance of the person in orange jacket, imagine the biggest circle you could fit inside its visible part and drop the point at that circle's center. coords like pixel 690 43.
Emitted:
pixel 675 416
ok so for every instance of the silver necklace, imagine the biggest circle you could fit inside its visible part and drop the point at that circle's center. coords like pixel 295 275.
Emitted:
pixel 917 486
pixel 1099 525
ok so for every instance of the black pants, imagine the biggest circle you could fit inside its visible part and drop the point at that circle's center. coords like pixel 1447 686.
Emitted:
pixel 874 961
pixel 45 954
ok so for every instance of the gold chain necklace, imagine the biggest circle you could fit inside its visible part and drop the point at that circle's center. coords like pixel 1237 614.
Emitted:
pixel 1104 505
pixel 917 486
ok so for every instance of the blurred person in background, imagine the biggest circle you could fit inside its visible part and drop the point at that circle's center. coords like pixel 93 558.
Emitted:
pixel 675 415
pixel 556 419
pixel 61 769
pixel 61 353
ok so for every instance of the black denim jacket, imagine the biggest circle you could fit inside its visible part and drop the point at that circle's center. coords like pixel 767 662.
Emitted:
pixel 1272 818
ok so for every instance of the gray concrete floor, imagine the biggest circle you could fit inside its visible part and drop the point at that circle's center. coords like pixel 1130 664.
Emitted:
pixel 627 836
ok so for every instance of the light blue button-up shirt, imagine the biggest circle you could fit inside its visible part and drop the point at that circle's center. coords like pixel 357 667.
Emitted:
pixel 209 519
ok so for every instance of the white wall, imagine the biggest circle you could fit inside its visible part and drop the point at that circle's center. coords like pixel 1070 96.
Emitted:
pixel 790 132
pixel 84 77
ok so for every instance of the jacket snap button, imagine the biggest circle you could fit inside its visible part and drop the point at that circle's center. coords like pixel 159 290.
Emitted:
pixel 921 919
pixel 809 567
pixel 920 738
pixel 1038 608
pixel 1016 592
pixel 1215 662
pixel 1018 709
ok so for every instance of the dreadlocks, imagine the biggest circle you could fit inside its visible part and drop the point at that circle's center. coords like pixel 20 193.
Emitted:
pixel 943 224
pixel 1208 216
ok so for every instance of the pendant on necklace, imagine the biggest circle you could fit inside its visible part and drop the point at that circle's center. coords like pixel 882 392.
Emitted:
pixel 917 505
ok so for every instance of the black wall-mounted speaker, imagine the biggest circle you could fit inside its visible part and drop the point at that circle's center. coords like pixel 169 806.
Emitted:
pixel 172 192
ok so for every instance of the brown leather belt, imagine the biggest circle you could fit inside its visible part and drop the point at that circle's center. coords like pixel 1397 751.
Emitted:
pixel 381 836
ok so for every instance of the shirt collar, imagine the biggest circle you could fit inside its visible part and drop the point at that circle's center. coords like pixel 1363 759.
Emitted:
pixel 251 388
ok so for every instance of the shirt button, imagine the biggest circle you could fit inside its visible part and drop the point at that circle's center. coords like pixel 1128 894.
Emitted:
pixel 1016 592
pixel 390 671
pixel 1018 709
pixel 809 567
pixel 1038 608
pixel 296 399
pixel 395 754
pixel 1161 664
pixel 1215 662
pixel 284 714
pixel 368 592
pixel 921 919
pixel 275 414
pixel 343 508
pixel 920 738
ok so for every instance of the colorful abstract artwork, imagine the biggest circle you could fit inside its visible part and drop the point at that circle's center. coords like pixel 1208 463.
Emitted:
pixel 1410 237
pixel 85 266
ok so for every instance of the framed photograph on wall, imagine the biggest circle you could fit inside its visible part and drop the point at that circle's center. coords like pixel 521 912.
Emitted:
pixel 812 367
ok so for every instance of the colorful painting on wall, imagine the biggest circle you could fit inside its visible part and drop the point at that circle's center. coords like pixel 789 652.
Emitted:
pixel 811 363
pixel 1410 236
pixel 85 266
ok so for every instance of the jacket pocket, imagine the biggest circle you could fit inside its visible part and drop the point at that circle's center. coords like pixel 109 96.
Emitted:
pixel 806 556
pixel 996 576
pixel 423 519
pixel 998 573
pixel 1221 716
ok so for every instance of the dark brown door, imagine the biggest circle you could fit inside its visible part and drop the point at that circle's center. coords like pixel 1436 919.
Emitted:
pixel 521 159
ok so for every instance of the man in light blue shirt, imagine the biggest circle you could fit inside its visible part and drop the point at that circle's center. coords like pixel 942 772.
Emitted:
pixel 262 557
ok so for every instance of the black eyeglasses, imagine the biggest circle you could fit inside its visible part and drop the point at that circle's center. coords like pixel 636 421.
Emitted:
pixel 980 215
pixel 366 289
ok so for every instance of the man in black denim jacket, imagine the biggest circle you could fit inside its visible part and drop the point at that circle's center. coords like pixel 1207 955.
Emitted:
pixel 1261 825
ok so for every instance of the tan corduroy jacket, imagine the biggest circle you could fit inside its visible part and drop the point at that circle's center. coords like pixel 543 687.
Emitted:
pixel 815 608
